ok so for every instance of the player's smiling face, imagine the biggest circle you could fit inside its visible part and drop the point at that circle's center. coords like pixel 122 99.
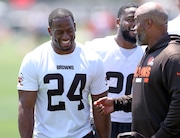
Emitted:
pixel 63 35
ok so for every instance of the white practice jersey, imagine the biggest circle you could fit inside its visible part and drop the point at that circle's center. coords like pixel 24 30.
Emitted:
pixel 119 69
pixel 63 83
pixel 173 26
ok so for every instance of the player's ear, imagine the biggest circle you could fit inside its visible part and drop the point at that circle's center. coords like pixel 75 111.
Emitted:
pixel 49 30
pixel 75 26
pixel 118 22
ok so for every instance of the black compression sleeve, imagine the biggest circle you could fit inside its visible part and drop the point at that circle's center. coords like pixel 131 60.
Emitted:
pixel 123 103
pixel 117 105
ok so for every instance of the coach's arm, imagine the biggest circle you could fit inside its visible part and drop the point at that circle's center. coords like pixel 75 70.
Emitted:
pixel 107 105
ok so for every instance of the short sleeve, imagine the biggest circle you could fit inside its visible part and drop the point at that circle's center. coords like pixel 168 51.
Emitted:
pixel 27 77
pixel 99 82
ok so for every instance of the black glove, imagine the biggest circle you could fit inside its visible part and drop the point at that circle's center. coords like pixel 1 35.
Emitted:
pixel 130 135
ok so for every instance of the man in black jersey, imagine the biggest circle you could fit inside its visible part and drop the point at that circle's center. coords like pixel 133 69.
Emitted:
pixel 156 83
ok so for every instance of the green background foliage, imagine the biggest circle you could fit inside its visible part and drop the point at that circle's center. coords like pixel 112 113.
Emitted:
pixel 12 51
pixel 10 62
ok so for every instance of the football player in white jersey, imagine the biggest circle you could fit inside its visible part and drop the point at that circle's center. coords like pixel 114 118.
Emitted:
pixel 173 25
pixel 120 55
pixel 54 82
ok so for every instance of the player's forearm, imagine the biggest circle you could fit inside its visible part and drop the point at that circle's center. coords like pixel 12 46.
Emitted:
pixel 25 123
pixel 102 122
pixel 103 125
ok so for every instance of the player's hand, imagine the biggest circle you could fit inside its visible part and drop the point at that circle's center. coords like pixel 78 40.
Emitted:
pixel 104 105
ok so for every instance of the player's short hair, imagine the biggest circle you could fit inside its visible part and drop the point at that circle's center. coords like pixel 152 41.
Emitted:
pixel 122 9
pixel 59 13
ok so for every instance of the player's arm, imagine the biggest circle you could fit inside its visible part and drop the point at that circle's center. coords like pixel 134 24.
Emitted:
pixel 107 105
pixel 102 122
pixel 27 101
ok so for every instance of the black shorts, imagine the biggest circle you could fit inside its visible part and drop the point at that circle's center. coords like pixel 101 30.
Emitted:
pixel 119 128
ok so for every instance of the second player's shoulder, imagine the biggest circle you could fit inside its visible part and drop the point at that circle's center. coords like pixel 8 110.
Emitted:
pixel 173 25
pixel 86 51
pixel 142 48
pixel 99 43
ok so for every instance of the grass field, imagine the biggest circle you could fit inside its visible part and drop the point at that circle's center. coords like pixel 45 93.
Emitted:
pixel 11 53
pixel 10 62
